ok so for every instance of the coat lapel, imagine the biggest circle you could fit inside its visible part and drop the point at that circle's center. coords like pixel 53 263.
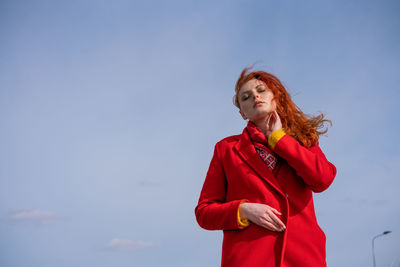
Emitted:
pixel 247 152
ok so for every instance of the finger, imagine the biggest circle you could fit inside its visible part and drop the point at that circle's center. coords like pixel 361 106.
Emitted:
pixel 277 221
pixel 272 211
pixel 275 211
pixel 268 217
pixel 270 226
pixel 269 118
pixel 272 119
pixel 277 116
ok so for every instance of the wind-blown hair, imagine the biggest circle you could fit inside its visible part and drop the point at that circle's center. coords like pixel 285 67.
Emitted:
pixel 304 128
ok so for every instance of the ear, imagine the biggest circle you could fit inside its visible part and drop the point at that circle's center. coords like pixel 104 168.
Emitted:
pixel 242 114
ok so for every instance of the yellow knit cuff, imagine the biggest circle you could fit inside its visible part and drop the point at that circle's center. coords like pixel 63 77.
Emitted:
pixel 274 137
pixel 242 222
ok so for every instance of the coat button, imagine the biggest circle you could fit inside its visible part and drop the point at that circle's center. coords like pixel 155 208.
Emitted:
pixel 287 195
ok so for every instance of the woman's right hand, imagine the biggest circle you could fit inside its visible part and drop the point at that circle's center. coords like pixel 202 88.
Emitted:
pixel 262 215
pixel 274 123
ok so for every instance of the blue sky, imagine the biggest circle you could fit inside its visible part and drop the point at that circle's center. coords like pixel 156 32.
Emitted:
pixel 110 112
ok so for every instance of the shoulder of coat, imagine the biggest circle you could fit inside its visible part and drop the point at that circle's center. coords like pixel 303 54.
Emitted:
pixel 230 140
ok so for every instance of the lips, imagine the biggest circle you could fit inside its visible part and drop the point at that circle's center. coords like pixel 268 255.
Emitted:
pixel 257 103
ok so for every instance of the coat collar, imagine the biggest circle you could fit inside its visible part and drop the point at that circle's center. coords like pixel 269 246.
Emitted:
pixel 247 152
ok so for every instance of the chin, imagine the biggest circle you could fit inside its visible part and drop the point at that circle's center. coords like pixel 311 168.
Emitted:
pixel 259 117
pixel 262 114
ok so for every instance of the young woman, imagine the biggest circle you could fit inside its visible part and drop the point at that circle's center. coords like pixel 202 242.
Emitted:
pixel 259 185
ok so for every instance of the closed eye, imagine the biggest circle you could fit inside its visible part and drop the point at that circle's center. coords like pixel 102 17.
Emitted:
pixel 260 88
pixel 245 97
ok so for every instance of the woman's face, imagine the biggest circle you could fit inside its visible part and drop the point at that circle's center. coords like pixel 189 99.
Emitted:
pixel 256 100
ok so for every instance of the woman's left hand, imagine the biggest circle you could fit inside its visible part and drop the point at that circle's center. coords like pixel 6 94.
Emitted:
pixel 273 123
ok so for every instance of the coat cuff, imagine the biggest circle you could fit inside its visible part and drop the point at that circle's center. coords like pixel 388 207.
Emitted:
pixel 242 222
pixel 274 137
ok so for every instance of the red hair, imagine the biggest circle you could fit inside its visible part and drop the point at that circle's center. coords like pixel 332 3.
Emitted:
pixel 304 128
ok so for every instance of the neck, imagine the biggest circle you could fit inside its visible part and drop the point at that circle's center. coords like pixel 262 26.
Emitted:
pixel 261 124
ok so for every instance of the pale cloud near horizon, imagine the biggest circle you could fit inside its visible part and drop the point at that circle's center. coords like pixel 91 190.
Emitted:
pixel 33 215
pixel 117 244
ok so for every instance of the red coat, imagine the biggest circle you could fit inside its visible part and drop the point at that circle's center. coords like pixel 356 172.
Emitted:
pixel 237 173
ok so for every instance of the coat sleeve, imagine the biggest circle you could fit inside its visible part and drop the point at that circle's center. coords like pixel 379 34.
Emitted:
pixel 212 211
pixel 309 163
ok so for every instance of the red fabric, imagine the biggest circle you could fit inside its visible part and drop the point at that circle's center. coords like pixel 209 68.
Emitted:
pixel 260 143
pixel 237 174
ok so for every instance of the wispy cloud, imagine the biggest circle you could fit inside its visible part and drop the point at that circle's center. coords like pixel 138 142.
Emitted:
pixel 33 215
pixel 117 244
